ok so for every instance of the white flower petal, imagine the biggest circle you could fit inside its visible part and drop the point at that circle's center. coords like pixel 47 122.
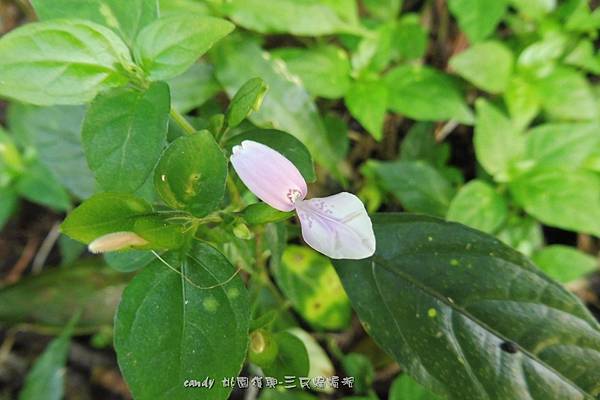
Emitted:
pixel 337 226
pixel 116 241
pixel 268 174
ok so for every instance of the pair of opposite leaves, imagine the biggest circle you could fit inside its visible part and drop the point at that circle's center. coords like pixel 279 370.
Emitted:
pixel 337 226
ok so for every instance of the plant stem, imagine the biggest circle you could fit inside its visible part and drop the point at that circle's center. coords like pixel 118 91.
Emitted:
pixel 182 122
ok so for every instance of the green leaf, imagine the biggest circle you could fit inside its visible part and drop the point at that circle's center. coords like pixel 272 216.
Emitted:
pixel 193 88
pixel 478 18
pixel 125 17
pixel 535 9
pixel 286 144
pixel 540 57
pixel 383 9
pixel 247 99
pixel 291 360
pixel 170 45
pixel 454 307
pixel 418 185
pixel 497 141
pixel 487 65
pixel 426 94
pixel 262 213
pixel 55 133
pixel 51 298
pixel 561 145
pixel 523 234
pixel 479 206
pixel 309 281
pixel 38 185
pixel 46 379
pixel 320 364
pixel 564 263
pixel 61 62
pixel 238 60
pixel 124 133
pixel 324 70
pixel 304 18
pixel 367 101
pixel 561 198
pixel 8 204
pixel 159 232
pixel 191 174
pixel 566 94
pixel 129 261
pixel 584 56
pixel 522 101
pixel 104 213
pixel 164 319
pixel 420 144
pixel 410 38
pixel 360 368
pixel 405 388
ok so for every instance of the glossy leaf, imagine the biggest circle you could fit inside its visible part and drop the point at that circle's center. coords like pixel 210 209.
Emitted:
pixel 479 206
pixel 487 65
pixel 478 18
pixel 561 198
pixel 564 263
pixel 418 185
pixel 306 18
pixel 324 70
pixel 287 106
pixel 292 358
pixel 124 133
pixel 55 133
pixel 247 99
pixel 129 261
pixel 284 143
pixel 170 45
pixel 405 388
pixel 309 281
pixel 425 94
pixel 61 62
pixel 191 174
pixel 165 319
pixel 125 17
pixel 443 300
pixel 104 213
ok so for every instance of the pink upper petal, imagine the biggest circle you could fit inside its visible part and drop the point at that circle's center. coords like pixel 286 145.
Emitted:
pixel 337 226
pixel 268 174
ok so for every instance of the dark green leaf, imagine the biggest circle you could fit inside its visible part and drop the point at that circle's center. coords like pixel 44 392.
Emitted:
pixel 55 133
pixel 191 174
pixel 170 45
pixel 262 213
pixel 309 281
pixel 564 263
pixel 561 198
pixel 487 65
pixel 159 232
pixel 164 319
pixel 291 360
pixel 61 62
pixel 478 18
pixel 360 368
pixel 286 144
pixel 129 261
pixel 287 106
pixel 479 206
pixel 247 99
pixel 418 185
pixel 8 204
pixel 52 297
pixel 420 144
pixel 124 133
pixel 324 70
pixel 125 17
pixel 405 388
pixel 456 309
pixel 104 213
pixel 423 93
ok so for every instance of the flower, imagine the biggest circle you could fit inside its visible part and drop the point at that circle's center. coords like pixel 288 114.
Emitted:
pixel 337 226
pixel 116 241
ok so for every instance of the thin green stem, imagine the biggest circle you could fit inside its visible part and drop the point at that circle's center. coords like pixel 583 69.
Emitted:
pixel 182 122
